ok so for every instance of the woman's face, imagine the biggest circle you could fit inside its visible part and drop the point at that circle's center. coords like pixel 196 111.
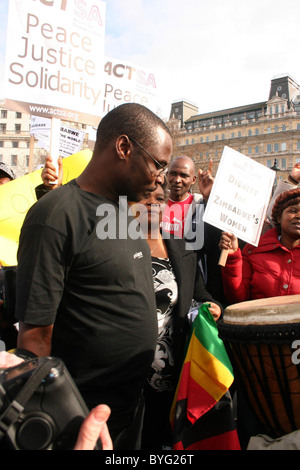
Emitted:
pixel 290 221
pixel 154 203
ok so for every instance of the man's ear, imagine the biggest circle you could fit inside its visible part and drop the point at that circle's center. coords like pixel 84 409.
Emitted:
pixel 194 180
pixel 123 147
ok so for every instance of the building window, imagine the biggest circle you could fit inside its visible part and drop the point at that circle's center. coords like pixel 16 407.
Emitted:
pixel 223 136
pixel 249 150
pixel 283 163
pixel 276 129
pixel 249 132
pixel 186 141
pixel 18 128
pixel 18 115
pixel 269 163
pixel 256 149
pixel 276 147
pixel 207 139
pixel 269 148
pixel 14 160
pixel 298 127
pixel 284 127
pixel 239 134
pixel 269 130
pixel 232 135
pixel 298 145
pixel 15 145
pixel 297 160
pixel 2 128
pixel 217 137
pixel 283 146
pixel 3 113
pixel 256 131
pixel 1 143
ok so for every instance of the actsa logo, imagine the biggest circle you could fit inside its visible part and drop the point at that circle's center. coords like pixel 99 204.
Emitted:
pixel 90 13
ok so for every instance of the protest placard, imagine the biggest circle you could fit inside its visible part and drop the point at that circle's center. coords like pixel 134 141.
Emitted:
pixel 240 196
pixel 70 139
pixel 17 196
pixel 55 58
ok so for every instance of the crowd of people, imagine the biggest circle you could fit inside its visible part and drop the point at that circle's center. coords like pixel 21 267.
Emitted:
pixel 114 309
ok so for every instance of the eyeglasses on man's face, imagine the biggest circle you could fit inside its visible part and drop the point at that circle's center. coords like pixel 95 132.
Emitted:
pixel 160 169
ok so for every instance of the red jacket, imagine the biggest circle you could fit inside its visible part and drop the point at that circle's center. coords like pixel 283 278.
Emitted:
pixel 268 270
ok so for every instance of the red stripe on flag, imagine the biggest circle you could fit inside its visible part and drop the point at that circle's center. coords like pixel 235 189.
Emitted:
pixel 199 401
pixel 227 441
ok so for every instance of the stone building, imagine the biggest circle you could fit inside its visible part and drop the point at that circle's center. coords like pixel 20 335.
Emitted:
pixel 268 132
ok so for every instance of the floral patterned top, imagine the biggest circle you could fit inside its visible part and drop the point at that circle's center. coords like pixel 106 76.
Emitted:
pixel 166 292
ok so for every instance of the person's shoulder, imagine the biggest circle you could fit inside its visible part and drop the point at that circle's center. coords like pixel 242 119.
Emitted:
pixel 54 202
pixel 270 237
pixel 197 198
pixel 178 245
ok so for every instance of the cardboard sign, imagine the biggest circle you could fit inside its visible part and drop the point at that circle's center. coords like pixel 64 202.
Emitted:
pixel 70 139
pixel 240 196
pixel 55 57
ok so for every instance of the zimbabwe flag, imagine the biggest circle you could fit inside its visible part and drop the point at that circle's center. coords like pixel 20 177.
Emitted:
pixel 202 415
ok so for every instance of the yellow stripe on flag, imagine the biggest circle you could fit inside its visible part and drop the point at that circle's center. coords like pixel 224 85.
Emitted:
pixel 207 370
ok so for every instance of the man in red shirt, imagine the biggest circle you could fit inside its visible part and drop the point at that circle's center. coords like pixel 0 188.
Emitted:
pixel 183 215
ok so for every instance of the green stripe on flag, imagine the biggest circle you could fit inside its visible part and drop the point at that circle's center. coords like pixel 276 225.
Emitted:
pixel 205 329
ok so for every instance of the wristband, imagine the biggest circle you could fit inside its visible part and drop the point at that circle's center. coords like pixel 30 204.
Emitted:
pixel 292 180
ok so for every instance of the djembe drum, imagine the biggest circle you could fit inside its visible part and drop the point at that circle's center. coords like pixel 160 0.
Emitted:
pixel 261 340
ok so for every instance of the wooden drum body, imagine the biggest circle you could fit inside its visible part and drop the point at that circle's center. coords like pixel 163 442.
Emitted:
pixel 260 336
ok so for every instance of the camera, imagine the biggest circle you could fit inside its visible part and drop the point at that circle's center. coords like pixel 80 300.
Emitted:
pixel 40 406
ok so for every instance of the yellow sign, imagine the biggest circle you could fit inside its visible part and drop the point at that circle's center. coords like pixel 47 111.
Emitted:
pixel 17 196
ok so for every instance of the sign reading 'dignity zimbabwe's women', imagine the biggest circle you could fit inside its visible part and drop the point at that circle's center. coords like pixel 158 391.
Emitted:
pixel 240 196
pixel 55 57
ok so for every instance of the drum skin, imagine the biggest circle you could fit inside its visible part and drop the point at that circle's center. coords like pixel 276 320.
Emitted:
pixel 259 337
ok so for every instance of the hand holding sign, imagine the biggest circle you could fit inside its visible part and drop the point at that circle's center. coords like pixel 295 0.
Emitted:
pixel 51 178
pixel 228 244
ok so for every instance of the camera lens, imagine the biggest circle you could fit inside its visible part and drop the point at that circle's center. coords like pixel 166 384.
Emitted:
pixel 35 433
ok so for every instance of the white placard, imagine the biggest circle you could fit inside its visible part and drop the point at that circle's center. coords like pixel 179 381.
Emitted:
pixel 240 196
pixel 55 58
pixel 70 139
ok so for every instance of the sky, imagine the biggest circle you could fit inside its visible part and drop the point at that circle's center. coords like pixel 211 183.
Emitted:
pixel 215 54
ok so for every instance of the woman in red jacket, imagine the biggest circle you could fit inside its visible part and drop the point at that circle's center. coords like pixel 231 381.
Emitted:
pixel 273 268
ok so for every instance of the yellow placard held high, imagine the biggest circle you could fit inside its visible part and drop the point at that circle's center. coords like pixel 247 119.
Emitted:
pixel 17 196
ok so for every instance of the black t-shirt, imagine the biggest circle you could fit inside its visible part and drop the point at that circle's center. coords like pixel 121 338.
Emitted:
pixel 97 292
